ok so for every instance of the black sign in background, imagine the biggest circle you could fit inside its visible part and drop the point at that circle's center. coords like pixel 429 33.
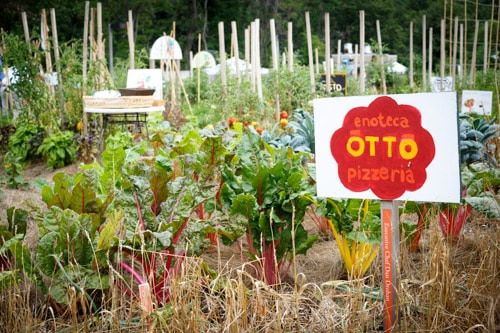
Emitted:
pixel 338 82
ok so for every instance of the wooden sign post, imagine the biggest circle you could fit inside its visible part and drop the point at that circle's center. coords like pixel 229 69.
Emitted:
pixel 390 261
pixel 389 148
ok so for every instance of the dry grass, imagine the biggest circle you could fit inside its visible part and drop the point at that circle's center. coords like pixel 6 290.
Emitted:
pixel 443 288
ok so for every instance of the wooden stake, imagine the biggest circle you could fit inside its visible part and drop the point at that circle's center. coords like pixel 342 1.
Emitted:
pixel 310 54
pixel 198 69
pixel 257 61
pixel 356 61
pixel 412 83
pixel 316 55
pixel 339 54
pixel 430 54
pixel 247 54
pixel 442 62
pixel 131 43
pixel 274 52
pixel 60 85
pixel 234 35
pixel 236 52
pixel 381 55
pixel 362 50
pixel 48 57
pixel 390 262
pixel 462 63
pixel 290 46
pixel 328 71
pixel 472 75
pixel 222 53
pixel 424 54
pixel 454 54
pixel 84 65
pixel 485 57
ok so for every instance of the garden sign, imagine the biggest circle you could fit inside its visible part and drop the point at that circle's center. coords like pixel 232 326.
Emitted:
pixel 392 148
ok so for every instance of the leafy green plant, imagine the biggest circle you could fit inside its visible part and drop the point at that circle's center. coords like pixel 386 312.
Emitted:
pixel 14 172
pixel 269 189
pixel 59 149
pixel 483 185
pixel 25 141
pixel 475 139
pixel 14 254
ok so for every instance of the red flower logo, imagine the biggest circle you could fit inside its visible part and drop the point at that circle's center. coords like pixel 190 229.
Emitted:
pixel 384 148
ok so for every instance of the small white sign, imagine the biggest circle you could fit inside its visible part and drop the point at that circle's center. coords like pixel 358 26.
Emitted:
pixel 147 79
pixel 395 147
pixel 438 85
pixel 476 101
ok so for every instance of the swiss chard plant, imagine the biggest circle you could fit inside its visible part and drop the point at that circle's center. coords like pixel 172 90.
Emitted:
pixel 269 188
pixel 355 225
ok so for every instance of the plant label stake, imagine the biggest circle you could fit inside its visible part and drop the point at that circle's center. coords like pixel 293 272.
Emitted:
pixel 390 261
pixel 391 148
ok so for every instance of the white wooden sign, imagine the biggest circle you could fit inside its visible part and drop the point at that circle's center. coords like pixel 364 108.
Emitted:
pixel 476 101
pixel 394 147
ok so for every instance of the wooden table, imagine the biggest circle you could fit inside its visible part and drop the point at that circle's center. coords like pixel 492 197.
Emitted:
pixel 137 116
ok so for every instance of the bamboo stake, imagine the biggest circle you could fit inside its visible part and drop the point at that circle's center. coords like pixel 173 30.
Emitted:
pixel 93 53
pixel 442 64
pixel 247 54
pixel 27 38
pixel 454 55
pixel 411 55
pixel 430 54
pixel 274 52
pixel 339 54
pixel 356 61
pixel 328 72
pixel 48 57
pixel 84 65
pixel 222 53
pixel 491 30
pixel 257 60
pixel 237 63
pixel 461 59
pixel 472 74
pixel 274 49
pixel 236 53
pixel 198 89
pixel 290 46
pixel 252 56
pixel 110 50
pixel 464 69
pixel 450 35
pixel 191 64
pixel 485 57
pixel 424 54
pixel 131 43
pixel 316 55
pixel 381 55
pixel 362 50
pixel 100 47
pixel 60 85
pixel 310 54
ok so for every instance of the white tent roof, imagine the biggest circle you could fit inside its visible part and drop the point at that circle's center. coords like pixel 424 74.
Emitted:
pixel 166 48
pixel 203 59
pixel 397 68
